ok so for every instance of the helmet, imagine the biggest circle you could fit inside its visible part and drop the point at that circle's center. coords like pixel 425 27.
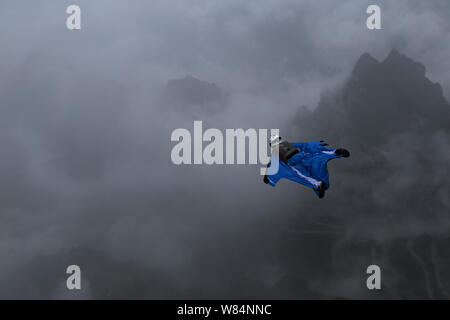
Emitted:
pixel 274 139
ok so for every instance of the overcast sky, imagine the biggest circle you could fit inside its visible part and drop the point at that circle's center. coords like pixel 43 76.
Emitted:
pixel 85 170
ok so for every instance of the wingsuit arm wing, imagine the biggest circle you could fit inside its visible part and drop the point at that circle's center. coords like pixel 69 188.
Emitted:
pixel 312 147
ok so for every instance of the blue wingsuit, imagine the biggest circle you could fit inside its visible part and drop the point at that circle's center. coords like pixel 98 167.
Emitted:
pixel 308 167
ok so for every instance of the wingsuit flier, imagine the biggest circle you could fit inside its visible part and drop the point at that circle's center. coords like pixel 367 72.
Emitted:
pixel 303 162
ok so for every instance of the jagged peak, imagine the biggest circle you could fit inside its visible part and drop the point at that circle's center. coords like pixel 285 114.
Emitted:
pixel 189 77
pixel 367 58
pixel 192 82
pixel 365 62
pixel 401 61
pixel 394 53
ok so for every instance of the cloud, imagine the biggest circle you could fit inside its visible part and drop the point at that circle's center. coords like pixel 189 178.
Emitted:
pixel 85 162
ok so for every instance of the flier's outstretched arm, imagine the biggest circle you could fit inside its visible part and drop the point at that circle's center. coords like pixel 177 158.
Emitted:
pixel 312 147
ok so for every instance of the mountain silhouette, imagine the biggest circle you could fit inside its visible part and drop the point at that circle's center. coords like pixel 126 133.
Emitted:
pixel 381 99
pixel 191 95
pixel 388 204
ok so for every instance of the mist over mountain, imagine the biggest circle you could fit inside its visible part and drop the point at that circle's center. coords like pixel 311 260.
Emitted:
pixel 379 100
pixel 228 235
pixel 388 204
pixel 86 174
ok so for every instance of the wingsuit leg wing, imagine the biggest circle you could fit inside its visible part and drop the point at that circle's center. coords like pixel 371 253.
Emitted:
pixel 293 173
pixel 318 157
pixel 318 166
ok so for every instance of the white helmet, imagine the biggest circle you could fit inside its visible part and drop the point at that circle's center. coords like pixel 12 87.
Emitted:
pixel 274 139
